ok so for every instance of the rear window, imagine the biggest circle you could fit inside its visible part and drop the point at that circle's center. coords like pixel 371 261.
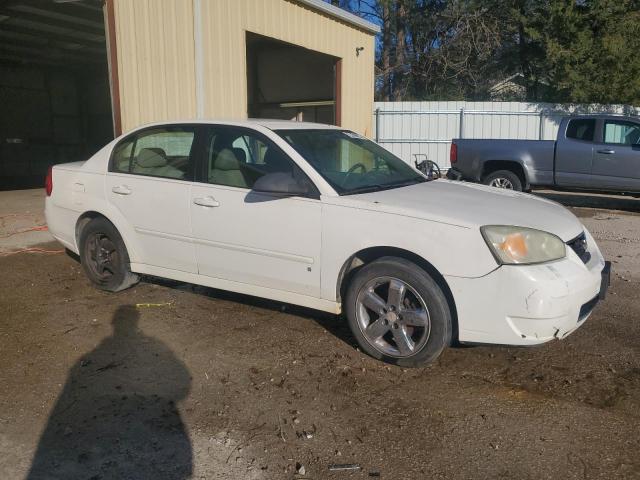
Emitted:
pixel 581 129
pixel 157 152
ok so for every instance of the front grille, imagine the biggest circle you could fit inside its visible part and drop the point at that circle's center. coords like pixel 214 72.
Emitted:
pixel 579 245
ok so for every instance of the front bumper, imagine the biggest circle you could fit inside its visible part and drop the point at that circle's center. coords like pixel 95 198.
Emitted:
pixel 529 305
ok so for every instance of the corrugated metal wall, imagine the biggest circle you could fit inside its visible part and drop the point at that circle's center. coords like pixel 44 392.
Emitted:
pixel 155 60
pixel 156 56
pixel 409 128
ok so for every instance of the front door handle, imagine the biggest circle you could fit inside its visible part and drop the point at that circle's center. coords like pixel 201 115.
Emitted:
pixel 206 202
pixel 607 151
pixel 121 190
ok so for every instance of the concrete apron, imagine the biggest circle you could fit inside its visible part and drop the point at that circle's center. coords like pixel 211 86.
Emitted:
pixel 22 220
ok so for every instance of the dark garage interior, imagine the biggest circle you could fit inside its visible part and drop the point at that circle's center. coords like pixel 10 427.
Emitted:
pixel 54 87
pixel 289 82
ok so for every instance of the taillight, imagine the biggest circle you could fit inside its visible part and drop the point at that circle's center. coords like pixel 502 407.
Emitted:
pixel 453 153
pixel 48 182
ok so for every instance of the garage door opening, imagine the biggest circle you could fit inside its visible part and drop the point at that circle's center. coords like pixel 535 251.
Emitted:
pixel 289 82
pixel 54 87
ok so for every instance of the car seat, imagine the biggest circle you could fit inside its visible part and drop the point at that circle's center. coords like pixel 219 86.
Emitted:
pixel 226 170
pixel 153 161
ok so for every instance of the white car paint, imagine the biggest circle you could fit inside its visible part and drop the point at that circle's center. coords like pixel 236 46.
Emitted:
pixel 294 249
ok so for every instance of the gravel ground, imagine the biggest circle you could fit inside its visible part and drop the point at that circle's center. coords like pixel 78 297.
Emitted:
pixel 168 380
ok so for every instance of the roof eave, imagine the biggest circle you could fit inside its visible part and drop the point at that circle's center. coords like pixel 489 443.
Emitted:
pixel 341 14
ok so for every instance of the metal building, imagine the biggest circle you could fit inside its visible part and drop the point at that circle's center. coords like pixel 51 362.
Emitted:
pixel 75 73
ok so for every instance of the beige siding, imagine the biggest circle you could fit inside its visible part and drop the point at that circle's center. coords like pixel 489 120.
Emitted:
pixel 155 60
pixel 157 66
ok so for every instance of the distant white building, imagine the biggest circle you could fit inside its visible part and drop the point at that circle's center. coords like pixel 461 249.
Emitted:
pixel 511 88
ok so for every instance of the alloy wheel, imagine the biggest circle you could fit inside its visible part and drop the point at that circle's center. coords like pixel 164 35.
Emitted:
pixel 393 317
pixel 501 182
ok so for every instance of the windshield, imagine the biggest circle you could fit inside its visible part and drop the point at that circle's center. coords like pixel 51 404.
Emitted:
pixel 350 162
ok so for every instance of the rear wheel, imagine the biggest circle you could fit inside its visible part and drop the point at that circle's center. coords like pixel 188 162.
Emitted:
pixel 503 179
pixel 104 257
pixel 398 313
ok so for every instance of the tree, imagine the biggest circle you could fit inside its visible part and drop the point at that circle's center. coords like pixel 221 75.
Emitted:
pixel 563 51
pixel 592 50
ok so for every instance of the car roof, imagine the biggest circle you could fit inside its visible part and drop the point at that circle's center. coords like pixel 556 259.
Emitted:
pixel 272 124
pixel 605 116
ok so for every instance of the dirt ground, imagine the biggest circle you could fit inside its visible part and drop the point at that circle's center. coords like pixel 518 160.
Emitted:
pixel 172 381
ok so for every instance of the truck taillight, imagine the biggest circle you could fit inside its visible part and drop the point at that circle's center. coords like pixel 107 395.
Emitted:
pixel 453 153
pixel 48 182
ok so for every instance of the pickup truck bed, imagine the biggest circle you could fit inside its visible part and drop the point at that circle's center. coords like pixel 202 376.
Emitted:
pixel 476 158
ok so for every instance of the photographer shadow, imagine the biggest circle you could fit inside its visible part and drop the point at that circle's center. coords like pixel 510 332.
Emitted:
pixel 117 415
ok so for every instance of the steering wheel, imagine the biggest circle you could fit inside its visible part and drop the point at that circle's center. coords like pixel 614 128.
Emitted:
pixel 353 169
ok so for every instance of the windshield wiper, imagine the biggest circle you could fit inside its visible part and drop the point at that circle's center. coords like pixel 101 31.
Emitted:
pixel 387 186
pixel 413 181
pixel 367 189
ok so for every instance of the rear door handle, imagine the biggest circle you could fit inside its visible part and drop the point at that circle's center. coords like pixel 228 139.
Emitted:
pixel 607 151
pixel 121 190
pixel 206 202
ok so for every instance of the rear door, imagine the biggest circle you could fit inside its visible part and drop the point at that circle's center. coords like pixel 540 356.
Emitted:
pixel 253 238
pixel 574 153
pixel 149 182
pixel 616 163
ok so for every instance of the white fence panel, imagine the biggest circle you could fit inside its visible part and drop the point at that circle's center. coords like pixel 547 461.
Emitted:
pixel 427 128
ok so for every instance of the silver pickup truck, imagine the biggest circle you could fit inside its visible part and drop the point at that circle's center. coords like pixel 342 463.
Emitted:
pixel 596 152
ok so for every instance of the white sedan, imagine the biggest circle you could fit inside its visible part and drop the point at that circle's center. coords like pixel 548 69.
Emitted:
pixel 319 216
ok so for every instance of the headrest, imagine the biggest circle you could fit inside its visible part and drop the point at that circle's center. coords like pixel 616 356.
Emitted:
pixel 240 154
pixel 151 158
pixel 226 160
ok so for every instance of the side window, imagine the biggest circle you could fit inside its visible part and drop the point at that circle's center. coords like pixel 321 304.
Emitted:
pixel 159 152
pixel 121 157
pixel 254 149
pixel 581 129
pixel 238 157
pixel 621 133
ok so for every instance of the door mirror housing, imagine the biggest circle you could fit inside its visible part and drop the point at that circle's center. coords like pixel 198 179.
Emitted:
pixel 280 183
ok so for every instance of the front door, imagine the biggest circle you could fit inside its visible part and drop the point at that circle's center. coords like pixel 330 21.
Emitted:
pixel 616 163
pixel 248 237
pixel 574 153
pixel 149 182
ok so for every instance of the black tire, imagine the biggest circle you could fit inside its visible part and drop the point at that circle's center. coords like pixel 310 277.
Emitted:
pixel 104 257
pixel 421 286
pixel 506 176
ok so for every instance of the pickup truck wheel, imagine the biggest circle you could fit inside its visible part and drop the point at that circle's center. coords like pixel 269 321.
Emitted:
pixel 104 257
pixel 503 179
pixel 398 313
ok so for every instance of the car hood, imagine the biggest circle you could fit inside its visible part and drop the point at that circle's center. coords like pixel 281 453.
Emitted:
pixel 471 205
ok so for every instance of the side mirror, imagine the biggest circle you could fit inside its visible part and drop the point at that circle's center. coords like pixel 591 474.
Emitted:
pixel 282 183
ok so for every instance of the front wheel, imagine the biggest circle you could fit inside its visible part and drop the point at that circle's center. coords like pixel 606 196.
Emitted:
pixel 398 313
pixel 503 179
pixel 104 257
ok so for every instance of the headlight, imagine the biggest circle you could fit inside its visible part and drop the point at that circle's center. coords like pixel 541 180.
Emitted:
pixel 521 245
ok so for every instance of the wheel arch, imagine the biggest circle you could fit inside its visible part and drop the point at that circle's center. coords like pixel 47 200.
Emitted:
pixel 514 166
pixel 370 254
pixel 88 216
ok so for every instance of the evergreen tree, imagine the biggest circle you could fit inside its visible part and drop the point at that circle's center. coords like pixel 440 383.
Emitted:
pixel 560 50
